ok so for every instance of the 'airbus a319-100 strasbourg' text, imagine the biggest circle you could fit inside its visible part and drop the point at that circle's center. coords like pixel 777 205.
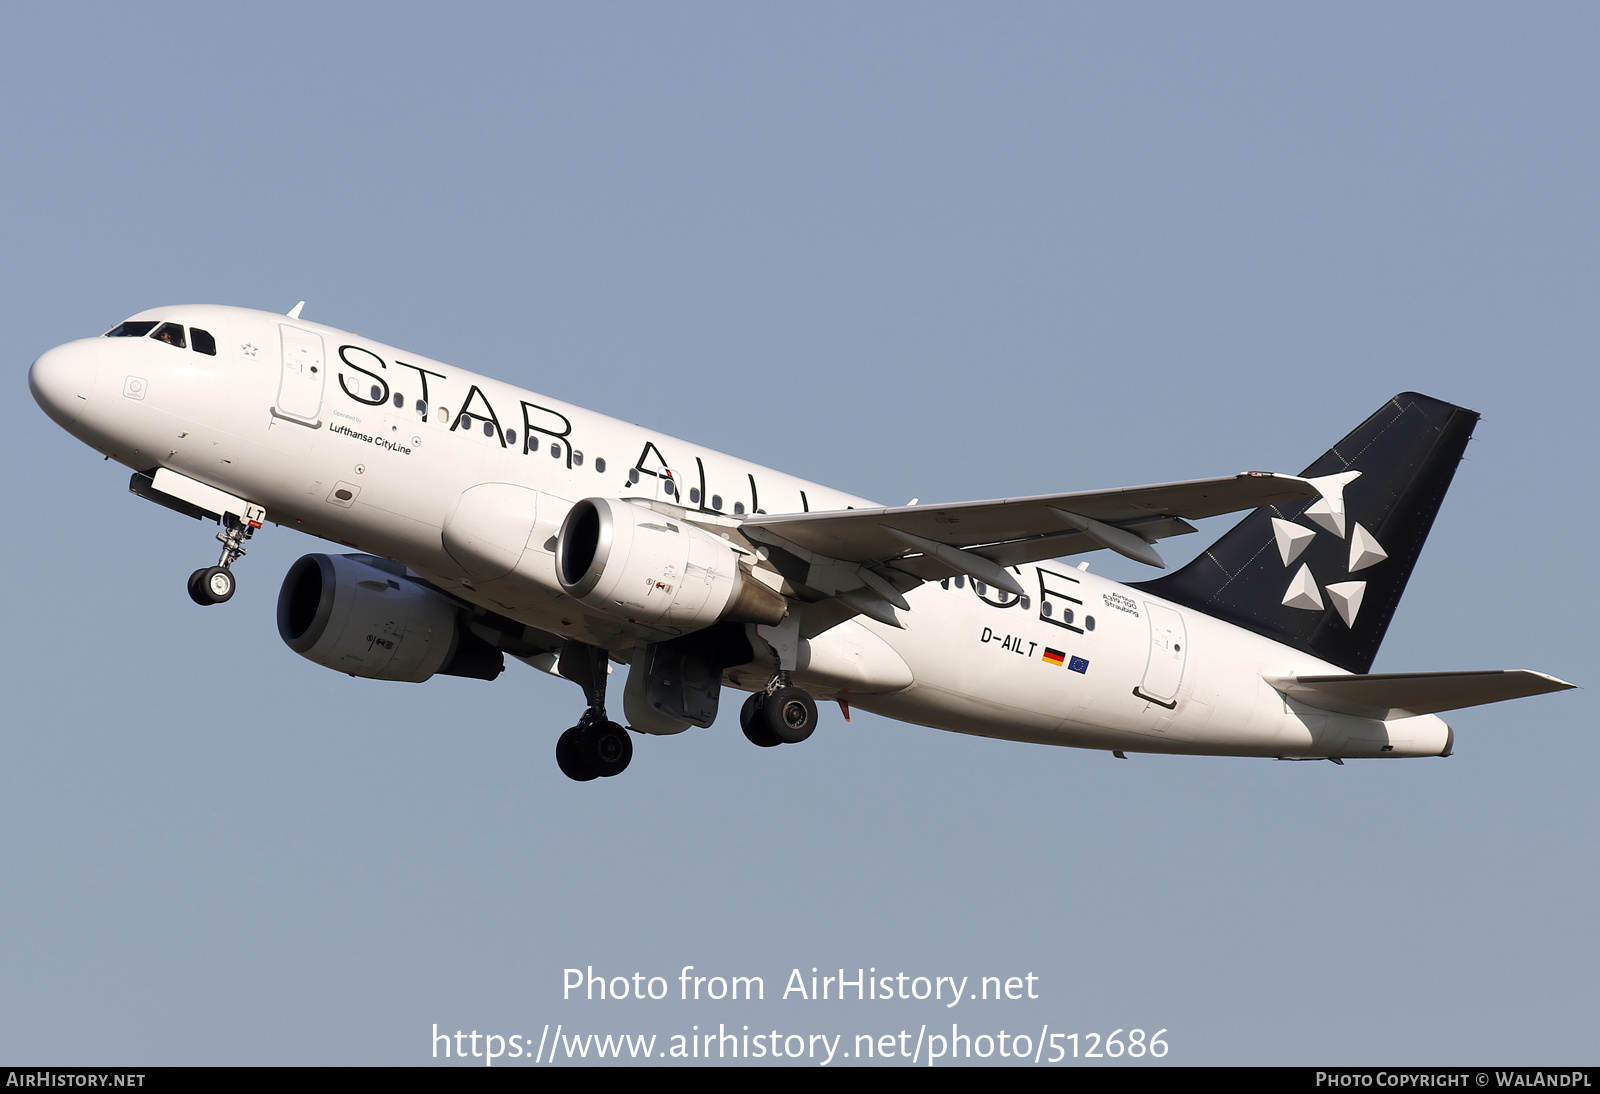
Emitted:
pixel 491 522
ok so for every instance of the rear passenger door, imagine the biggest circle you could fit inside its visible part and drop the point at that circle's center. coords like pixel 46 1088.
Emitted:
pixel 1163 673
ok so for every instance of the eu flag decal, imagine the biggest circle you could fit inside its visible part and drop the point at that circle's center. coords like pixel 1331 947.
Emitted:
pixel 1078 664
pixel 1054 657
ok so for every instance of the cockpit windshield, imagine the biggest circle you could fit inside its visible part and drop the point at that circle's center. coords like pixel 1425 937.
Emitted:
pixel 131 329
pixel 170 333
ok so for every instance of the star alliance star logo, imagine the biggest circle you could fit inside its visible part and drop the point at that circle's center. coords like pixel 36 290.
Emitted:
pixel 248 350
pixel 1327 512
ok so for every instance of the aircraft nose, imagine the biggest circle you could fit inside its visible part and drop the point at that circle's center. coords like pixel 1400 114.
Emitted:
pixel 61 381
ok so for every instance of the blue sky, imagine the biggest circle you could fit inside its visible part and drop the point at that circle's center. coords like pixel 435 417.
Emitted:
pixel 910 250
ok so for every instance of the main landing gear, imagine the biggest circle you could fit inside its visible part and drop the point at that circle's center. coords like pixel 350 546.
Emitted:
pixel 781 715
pixel 596 747
pixel 214 584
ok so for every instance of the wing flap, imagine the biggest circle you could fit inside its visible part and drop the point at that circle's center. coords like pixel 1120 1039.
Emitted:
pixel 1062 544
pixel 1404 694
pixel 868 535
pixel 865 558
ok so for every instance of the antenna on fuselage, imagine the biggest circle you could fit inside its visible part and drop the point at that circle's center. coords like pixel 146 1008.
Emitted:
pixel 294 312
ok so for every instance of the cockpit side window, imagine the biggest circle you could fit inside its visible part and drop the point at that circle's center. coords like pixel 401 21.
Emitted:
pixel 171 334
pixel 203 342
pixel 131 329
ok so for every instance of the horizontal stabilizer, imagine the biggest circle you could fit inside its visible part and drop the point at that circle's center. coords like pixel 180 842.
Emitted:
pixel 1404 694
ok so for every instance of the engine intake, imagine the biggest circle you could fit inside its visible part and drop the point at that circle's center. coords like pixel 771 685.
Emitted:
pixel 624 559
pixel 362 615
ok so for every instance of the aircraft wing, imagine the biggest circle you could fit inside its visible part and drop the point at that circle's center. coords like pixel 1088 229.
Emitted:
pixel 867 557
pixel 1403 694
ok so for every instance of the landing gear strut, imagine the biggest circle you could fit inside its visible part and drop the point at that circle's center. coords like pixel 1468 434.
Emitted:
pixel 214 584
pixel 596 747
pixel 780 715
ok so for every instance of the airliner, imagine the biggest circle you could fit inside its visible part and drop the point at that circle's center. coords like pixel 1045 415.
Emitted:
pixel 486 522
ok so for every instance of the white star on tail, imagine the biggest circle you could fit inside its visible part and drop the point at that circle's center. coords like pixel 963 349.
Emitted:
pixel 1303 592
pixel 1292 539
pixel 1364 550
pixel 1328 510
pixel 1346 597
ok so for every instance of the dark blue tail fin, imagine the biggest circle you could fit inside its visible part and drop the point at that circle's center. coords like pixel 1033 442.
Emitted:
pixel 1325 575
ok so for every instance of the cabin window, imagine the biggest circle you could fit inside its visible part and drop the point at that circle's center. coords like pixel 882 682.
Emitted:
pixel 1023 602
pixel 1088 622
pixel 488 429
pixel 694 495
pixel 670 487
pixel 577 458
pixel 422 407
pixel 171 334
pixel 555 451
pixel 961 582
pixel 131 329
pixel 377 394
pixel 511 436
pixel 600 464
pixel 399 400
pixel 633 476
pixel 202 341
pixel 738 508
pixel 716 502
pixel 1046 610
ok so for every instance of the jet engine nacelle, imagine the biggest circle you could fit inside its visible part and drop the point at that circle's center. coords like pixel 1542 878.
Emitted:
pixel 350 613
pixel 626 560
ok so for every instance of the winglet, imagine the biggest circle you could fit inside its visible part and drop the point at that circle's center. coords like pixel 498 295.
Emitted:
pixel 294 312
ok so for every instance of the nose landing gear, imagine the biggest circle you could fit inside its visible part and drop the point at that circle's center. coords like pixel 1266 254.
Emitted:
pixel 214 584
pixel 211 585
pixel 596 747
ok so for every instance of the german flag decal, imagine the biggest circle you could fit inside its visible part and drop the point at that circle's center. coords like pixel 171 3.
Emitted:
pixel 1054 657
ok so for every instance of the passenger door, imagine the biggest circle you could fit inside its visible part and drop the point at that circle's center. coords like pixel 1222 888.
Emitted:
pixel 1163 672
pixel 301 383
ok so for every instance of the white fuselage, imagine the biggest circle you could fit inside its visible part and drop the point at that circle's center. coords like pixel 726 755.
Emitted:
pixel 331 453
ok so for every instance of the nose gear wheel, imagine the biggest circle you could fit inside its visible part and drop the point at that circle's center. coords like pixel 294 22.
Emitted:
pixel 211 585
pixel 215 584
